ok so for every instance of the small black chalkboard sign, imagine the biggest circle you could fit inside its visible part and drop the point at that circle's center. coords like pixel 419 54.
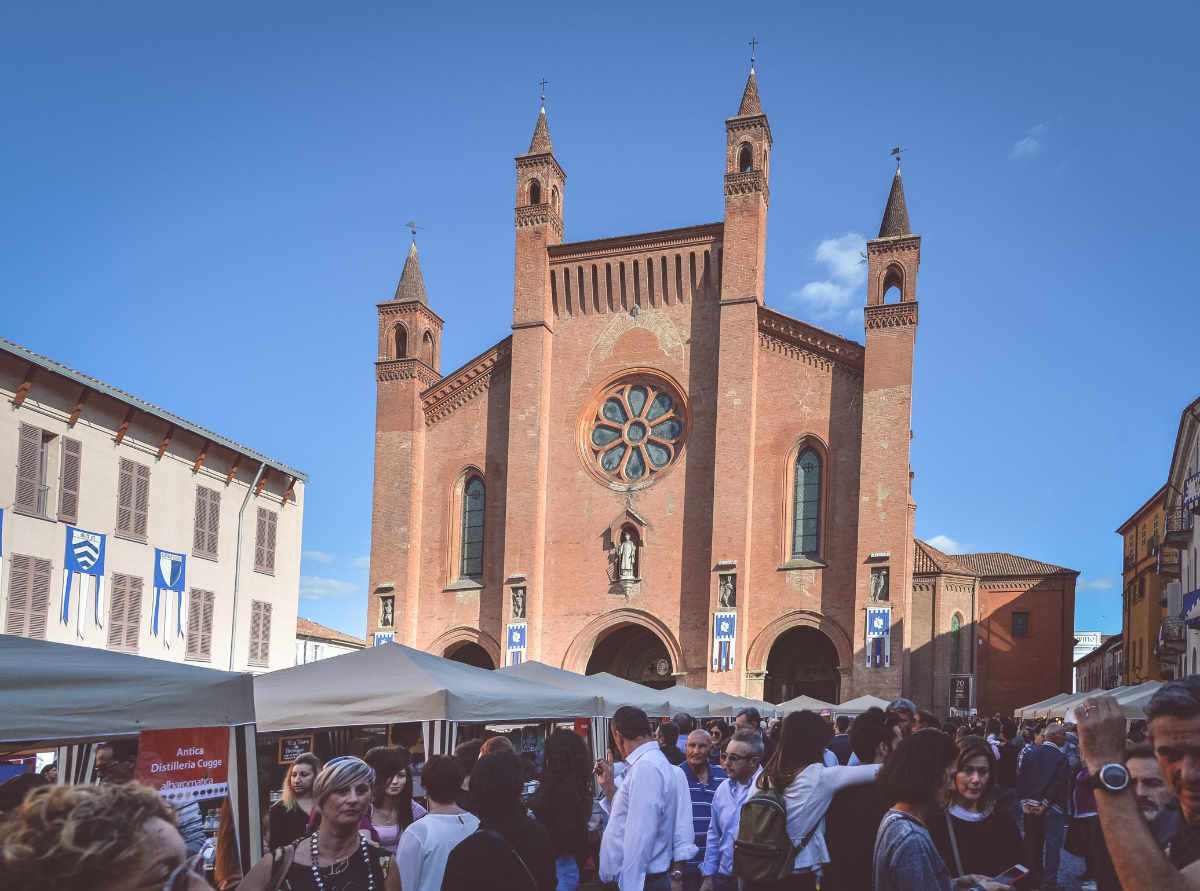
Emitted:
pixel 292 747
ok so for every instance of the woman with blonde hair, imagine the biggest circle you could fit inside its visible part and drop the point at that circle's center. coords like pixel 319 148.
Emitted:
pixel 95 838
pixel 288 818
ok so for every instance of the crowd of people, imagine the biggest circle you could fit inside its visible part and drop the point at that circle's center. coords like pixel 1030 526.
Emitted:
pixel 893 801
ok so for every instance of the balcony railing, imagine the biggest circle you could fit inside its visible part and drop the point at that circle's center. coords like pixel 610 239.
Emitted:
pixel 1177 531
pixel 1168 563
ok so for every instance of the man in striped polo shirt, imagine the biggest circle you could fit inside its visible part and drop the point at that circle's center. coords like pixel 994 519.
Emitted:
pixel 703 779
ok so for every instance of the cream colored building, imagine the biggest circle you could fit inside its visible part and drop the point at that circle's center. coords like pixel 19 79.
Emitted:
pixel 315 641
pixel 76 453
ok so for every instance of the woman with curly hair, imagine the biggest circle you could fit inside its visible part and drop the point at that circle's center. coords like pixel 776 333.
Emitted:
pixel 95 838
pixel 563 803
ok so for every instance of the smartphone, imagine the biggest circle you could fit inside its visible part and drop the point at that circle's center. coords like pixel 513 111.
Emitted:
pixel 1012 875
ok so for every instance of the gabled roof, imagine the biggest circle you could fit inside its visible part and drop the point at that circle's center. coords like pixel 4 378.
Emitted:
pixel 895 214
pixel 412 283
pixel 929 559
pixel 999 563
pixel 309 628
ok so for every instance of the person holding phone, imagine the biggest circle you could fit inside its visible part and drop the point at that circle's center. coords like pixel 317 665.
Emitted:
pixel 973 835
pixel 918 778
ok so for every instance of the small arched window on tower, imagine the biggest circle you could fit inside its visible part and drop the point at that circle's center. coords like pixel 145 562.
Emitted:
pixel 806 505
pixel 956 644
pixel 745 158
pixel 535 192
pixel 555 198
pixel 893 284
pixel 427 349
pixel 401 342
pixel 471 564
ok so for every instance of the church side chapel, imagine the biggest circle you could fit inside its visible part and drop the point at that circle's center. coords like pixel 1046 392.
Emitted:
pixel 653 473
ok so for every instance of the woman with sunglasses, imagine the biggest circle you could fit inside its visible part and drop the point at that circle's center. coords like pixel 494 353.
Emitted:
pixel 96 838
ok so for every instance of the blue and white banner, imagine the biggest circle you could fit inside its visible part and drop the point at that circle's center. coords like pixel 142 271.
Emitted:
pixel 879 636
pixel 84 556
pixel 382 637
pixel 515 641
pixel 724 638
pixel 169 575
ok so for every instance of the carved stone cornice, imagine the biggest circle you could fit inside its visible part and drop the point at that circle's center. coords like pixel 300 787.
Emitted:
pixel 463 385
pixel 801 340
pixel 406 369
pixel 704 235
pixel 405 307
pixel 895 244
pixel 892 315
pixel 747 183
pixel 540 160
pixel 741 123
pixel 538 215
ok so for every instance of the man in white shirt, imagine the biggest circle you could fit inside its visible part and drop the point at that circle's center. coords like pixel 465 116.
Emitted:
pixel 649 831
pixel 743 757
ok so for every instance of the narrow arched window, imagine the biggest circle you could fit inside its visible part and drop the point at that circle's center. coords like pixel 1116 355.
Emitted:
pixel 401 342
pixel 956 644
pixel 806 505
pixel 745 159
pixel 472 529
pixel 427 349
pixel 555 198
pixel 535 192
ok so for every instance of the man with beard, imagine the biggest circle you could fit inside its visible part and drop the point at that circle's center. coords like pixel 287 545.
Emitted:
pixel 1173 716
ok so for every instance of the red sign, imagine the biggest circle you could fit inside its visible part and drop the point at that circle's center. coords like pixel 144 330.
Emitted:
pixel 186 764
pixel 583 726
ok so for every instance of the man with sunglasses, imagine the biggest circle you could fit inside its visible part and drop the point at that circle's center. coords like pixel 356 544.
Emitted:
pixel 743 764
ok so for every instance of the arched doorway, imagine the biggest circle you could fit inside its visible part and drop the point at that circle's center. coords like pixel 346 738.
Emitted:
pixel 633 652
pixel 470 654
pixel 802 661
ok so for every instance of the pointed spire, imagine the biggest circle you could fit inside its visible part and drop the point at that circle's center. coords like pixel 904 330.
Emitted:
pixel 541 135
pixel 750 103
pixel 895 215
pixel 412 285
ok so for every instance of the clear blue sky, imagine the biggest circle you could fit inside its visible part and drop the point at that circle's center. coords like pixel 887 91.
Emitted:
pixel 203 205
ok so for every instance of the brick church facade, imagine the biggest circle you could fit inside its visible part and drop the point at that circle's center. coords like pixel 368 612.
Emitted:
pixel 654 473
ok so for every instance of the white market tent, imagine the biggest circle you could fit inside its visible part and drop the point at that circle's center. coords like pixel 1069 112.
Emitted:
pixel 67 697
pixel 804 702
pixel 1029 711
pixel 610 691
pixel 860 704
pixel 1062 707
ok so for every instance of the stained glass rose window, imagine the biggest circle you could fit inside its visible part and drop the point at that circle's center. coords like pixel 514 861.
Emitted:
pixel 635 431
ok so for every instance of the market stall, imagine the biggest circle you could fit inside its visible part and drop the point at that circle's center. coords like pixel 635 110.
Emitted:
pixel 860 704
pixel 808 703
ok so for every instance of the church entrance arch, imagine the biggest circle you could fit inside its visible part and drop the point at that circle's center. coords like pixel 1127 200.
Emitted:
pixel 470 654
pixel 802 661
pixel 629 643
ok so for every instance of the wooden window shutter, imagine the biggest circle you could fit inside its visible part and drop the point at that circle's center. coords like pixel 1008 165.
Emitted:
pixel 214 520
pixel 255 632
pixel 39 599
pixel 141 500
pixel 264 641
pixel 260 541
pixel 260 633
pixel 16 619
pixel 194 616
pixel 133 613
pixel 125 485
pixel 69 479
pixel 272 523
pixel 117 599
pixel 29 469
pixel 200 523
pixel 206 625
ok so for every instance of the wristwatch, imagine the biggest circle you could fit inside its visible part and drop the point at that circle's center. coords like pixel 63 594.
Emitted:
pixel 677 875
pixel 1112 777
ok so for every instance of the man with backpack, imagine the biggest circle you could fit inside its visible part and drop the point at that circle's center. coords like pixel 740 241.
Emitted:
pixel 743 764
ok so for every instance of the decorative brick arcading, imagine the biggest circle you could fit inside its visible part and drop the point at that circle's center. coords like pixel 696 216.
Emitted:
pixel 812 345
pixel 405 369
pixel 405 307
pixel 895 244
pixel 747 183
pixel 459 388
pixel 538 215
pixel 892 315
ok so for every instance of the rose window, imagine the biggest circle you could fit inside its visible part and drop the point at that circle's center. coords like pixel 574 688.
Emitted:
pixel 635 432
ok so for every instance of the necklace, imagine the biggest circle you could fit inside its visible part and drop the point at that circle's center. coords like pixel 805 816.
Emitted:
pixel 362 846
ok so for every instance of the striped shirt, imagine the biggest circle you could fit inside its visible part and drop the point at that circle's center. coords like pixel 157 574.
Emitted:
pixel 702 796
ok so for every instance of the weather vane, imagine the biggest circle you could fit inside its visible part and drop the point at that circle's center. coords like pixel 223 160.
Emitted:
pixel 753 49
pixel 896 154
pixel 412 227
pixel 542 83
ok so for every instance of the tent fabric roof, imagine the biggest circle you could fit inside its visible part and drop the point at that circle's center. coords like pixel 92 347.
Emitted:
pixel 57 693
pixel 391 683
pixel 601 686
pixel 805 702
pixel 860 704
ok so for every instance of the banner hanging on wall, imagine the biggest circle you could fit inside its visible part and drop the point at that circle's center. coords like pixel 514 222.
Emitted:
pixel 169 574
pixel 84 556
pixel 724 638
pixel 879 636
pixel 515 640
pixel 186 764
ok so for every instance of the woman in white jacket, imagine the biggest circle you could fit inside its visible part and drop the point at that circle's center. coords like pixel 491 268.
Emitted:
pixel 797 768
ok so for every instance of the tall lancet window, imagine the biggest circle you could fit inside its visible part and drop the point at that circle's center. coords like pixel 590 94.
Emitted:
pixel 472 529
pixel 806 505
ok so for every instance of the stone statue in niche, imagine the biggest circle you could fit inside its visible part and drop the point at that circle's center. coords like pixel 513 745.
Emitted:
pixel 627 557
pixel 879 583
pixel 387 612
pixel 727 591
pixel 518 603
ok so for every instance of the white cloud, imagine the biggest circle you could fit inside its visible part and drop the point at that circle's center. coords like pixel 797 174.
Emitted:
pixel 1031 144
pixel 1100 584
pixel 318 557
pixel 843 261
pixel 317 588
pixel 945 544
pixel 361 563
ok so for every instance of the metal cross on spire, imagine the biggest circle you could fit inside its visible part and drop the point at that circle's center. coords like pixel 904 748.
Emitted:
pixel 542 83
pixel 753 51
pixel 896 154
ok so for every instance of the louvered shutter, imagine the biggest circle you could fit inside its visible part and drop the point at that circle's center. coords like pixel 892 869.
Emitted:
pixel 255 632
pixel 133 613
pixel 200 522
pixel 194 618
pixel 141 500
pixel 17 615
pixel 117 599
pixel 260 542
pixel 69 480
pixel 269 547
pixel 206 625
pixel 125 485
pixel 39 599
pixel 264 635
pixel 214 521
pixel 29 469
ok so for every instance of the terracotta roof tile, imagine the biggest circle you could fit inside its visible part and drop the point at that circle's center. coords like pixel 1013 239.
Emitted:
pixel 1000 563
pixel 309 628
pixel 929 559
pixel 750 101
pixel 895 215
pixel 541 136
pixel 412 283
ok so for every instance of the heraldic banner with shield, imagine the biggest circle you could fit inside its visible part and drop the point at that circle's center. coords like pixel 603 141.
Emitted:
pixel 84 556
pixel 169 574
pixel 724 637
pixel 515 642
pixel 879 636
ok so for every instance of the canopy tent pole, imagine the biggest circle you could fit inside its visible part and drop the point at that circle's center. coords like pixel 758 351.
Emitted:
pixel 243 794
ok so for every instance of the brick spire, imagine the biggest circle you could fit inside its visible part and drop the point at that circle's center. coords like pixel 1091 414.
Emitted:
pixel 541 136
pixel 895 215
pixel 412 285
pixel 750 102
